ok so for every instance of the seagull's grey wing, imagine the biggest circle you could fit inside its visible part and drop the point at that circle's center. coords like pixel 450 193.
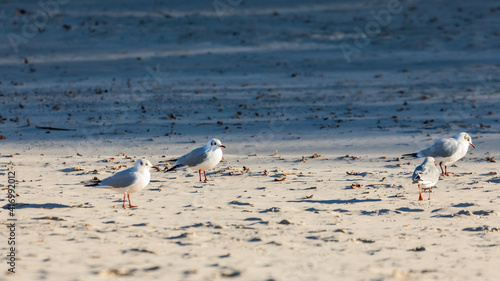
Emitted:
pixel 441 148
pixel 120 179
pixel 193 158
pixel 417 174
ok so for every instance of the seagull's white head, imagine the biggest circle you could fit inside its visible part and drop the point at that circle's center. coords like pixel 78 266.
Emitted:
pixel 144 164
pixel 430 160
pixel 215 144
pixel 465 137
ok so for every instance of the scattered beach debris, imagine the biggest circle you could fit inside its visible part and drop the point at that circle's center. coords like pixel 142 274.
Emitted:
pixel 356 185
pixel 490 159
pixel 418 249
pixel 349 156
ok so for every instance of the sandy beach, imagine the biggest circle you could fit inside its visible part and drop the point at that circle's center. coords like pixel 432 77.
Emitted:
pixel 316 102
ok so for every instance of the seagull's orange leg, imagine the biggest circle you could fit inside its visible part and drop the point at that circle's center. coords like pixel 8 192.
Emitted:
pixel 130 203
pixel 442 171
pixel 420 193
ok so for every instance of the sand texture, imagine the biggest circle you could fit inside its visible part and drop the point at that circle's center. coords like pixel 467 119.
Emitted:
pixel 312 186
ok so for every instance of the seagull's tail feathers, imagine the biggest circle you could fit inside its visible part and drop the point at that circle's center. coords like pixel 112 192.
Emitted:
pixel 416 178
pixel 414 155
pixel 177 167
pixel 93 182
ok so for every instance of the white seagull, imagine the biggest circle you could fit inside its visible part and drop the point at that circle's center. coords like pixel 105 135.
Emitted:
pixel 201 159
pixel 426 174
pixel 447 151
pixel 128 181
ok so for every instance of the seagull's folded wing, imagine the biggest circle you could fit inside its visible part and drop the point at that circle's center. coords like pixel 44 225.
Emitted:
pixel 441 148
pixel 416 174
pixel 193 158
pixel 121 179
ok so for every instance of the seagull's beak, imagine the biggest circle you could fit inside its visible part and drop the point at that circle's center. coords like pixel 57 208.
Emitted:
pixel 222 146
pixel 435 164
pixel 472 145
pixel 154 167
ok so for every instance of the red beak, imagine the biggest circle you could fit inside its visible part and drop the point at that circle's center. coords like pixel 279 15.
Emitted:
pixel 222 146
pixel 472 145
pixel 154 167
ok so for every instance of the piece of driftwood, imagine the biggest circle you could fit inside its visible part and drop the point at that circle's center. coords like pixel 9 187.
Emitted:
pixel 55 129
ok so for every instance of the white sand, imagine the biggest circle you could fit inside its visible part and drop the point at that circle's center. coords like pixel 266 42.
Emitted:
pixel 261 82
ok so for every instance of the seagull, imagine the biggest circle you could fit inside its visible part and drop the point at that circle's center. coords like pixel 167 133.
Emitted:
pixel 447 151
pixel 128 181
pixel 426 174
pixel 201 159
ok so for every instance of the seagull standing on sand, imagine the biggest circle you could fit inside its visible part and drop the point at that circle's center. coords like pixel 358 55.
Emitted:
pixel 128 181
pixel 202 158
pixel 447 151
pixel 427 175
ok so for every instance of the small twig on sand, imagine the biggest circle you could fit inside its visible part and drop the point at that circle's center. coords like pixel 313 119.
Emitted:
pixel 55 129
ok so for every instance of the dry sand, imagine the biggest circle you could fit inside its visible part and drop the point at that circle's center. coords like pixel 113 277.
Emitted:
pixel 136 79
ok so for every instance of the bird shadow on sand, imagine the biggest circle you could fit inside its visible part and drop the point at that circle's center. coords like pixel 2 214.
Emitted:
pixel 409 210
pixel 463 205
pixel 333 201
pixel 495 180
pixel 69 170
pixel 44 206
